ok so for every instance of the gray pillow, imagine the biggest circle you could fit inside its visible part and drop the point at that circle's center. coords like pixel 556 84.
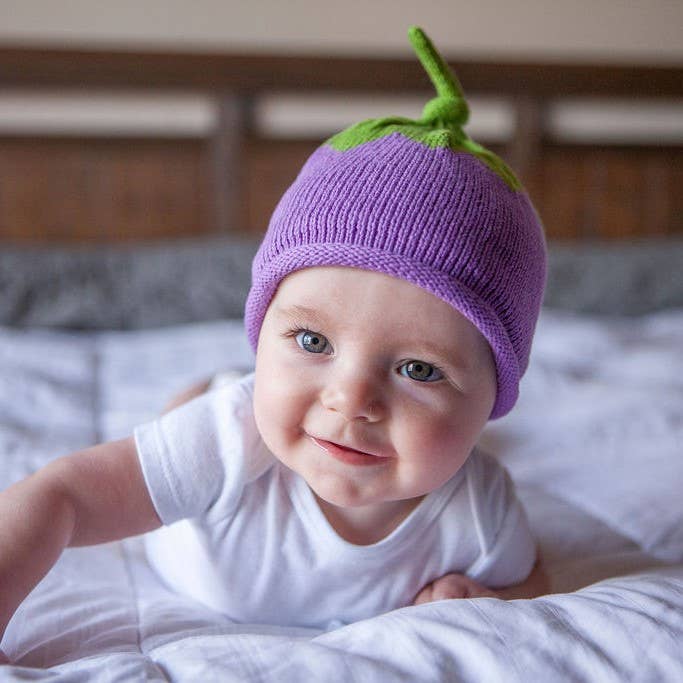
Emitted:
pixel 619 278
pixel 167 283
pixel 130 287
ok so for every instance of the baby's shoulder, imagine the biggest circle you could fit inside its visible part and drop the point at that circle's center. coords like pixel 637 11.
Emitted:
pixel 489 484
pixel 227 378
pixel 484 469
pixel 491 491
pixel 222 419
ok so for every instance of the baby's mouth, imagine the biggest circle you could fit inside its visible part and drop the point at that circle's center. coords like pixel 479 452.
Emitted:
pixel 347 454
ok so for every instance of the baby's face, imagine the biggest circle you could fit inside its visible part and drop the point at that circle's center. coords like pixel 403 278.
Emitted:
pixel 353 359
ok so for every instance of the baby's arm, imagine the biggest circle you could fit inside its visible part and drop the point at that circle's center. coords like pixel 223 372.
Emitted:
pixel 535 585
pixel 92 496
pixel 461 586
pixel 509 549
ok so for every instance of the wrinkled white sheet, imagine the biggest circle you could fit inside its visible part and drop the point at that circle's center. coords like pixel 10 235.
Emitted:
pixel 595 445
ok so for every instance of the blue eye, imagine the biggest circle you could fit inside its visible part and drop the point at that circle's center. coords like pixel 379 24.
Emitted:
pixel 420 371
pixel 313 342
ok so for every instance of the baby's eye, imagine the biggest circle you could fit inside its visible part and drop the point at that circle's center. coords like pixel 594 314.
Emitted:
pixel 312 341
pixel 420 371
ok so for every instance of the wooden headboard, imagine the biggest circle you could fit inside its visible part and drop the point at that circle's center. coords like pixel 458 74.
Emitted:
pixel 95 188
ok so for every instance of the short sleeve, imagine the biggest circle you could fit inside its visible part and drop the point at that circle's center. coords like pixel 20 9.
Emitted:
pixel 507 546
pixel 194 455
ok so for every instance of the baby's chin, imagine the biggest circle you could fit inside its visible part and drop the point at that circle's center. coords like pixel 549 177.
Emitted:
pixel 343 494
pixel 340 500
pixel 352 496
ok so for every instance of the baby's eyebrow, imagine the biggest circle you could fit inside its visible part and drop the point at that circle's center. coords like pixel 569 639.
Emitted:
pixel 297 310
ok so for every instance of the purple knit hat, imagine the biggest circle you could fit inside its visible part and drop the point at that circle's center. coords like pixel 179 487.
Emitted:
pixel 421 201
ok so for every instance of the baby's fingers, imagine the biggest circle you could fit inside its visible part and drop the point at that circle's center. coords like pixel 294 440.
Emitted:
pixel 452 586
pixel 425 595
pixel 460 586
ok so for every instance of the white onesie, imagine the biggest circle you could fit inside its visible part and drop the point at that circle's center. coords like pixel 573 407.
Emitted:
pixel 247 537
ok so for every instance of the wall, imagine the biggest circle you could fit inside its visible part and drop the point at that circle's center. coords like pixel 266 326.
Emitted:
pixel 581 30
pixel 609 30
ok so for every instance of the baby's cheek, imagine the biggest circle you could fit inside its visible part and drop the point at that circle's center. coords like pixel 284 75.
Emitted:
pixel 438 445
pixel 267 415
pixel 435 429
pixel 278 418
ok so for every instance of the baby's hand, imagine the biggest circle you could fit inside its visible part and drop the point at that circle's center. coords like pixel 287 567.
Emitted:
pixel 453 586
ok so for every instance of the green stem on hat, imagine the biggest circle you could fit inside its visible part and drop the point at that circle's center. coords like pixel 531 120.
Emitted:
pixel 449 107
pixel 444 80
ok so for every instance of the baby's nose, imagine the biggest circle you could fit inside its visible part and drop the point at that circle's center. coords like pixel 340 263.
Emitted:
pixel 354 396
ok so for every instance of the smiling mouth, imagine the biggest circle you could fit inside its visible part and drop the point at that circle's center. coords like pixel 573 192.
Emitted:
pixel 350 456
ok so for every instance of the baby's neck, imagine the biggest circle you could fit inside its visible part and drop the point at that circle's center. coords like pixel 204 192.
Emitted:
pixel 367 524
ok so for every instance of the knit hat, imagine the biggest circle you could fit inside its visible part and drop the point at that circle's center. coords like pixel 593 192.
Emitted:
pixel 421 201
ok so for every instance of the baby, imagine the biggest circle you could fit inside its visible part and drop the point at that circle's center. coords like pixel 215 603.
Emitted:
pixel 392 310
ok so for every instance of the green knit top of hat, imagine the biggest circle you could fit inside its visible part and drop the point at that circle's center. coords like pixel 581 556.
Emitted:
pixel 442 120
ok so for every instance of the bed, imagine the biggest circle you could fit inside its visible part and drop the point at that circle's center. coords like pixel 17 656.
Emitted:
pixel 95 337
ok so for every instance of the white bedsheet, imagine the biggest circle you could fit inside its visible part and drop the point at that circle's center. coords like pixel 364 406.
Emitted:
pixel 595 445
